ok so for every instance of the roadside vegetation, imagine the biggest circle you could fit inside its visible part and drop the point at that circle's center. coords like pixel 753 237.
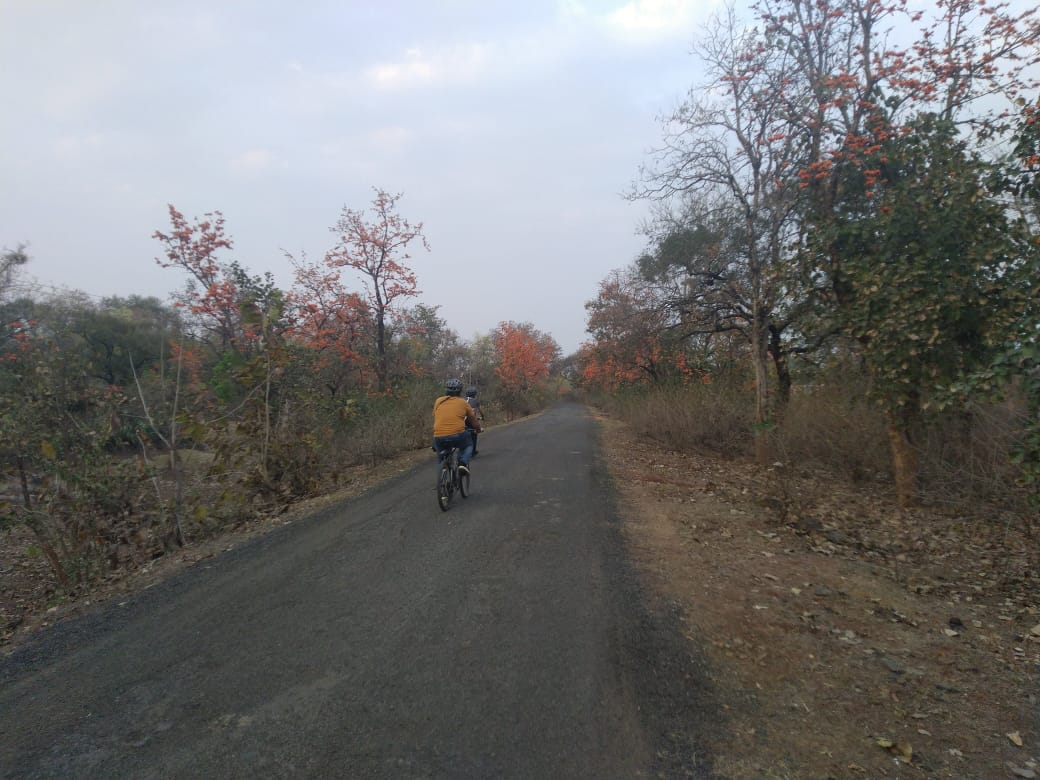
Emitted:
pixel 823 381
pixel 843 267
pixel 130 427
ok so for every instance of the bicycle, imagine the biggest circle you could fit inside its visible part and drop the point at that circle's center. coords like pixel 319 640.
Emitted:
pixel 451 479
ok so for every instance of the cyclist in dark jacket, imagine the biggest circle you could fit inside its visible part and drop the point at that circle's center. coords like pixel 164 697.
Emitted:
pixel 474 402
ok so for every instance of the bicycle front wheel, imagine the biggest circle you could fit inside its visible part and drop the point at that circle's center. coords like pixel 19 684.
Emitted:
pixel 444 488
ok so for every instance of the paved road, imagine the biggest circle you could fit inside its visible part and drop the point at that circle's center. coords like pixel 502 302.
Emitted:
pixel 381 638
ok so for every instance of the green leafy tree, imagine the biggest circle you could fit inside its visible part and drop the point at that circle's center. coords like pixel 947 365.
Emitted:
pixel 476 366
pixel 124 336
pixel 55 423
pixel 1015 369
pixel 421 344
pixel 929 281
pixel 850 93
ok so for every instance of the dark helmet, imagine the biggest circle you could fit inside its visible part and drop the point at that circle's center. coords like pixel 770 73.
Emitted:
pixel 471 392
pixel 453 386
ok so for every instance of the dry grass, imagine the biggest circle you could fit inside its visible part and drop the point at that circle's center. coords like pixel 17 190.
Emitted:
pixel 964 458
pixel 711 417
pixel 829 427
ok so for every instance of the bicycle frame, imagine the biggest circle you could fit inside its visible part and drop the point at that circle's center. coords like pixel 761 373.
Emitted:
pixel 450 479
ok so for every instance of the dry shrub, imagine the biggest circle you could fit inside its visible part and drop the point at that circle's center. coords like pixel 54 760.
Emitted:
pixel 835 428
pixel 384 427
pixel 694 417
pixel 965 457
pixel 832 426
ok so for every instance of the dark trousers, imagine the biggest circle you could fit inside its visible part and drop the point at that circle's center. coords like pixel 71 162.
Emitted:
pixel 463 440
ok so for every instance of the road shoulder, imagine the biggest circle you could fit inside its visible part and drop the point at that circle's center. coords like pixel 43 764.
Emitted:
pixel 831 655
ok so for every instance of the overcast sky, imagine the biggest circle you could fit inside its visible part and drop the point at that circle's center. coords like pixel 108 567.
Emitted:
pixel 511 128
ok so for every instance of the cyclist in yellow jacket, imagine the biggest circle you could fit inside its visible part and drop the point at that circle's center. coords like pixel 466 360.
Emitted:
pixel 450 415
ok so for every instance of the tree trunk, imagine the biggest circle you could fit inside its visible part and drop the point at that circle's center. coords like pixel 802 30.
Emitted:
pixel 904 458
pixel 177 529
pixel 36 527
pixel 783 374
pixel 762 426
pixel 381 367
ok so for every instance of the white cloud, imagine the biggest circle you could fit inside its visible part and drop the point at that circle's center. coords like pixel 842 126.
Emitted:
pixel 414 69
pixel 257 160
pixel 519 55
pixel 653 16
pixel 418 68
pixel 642 20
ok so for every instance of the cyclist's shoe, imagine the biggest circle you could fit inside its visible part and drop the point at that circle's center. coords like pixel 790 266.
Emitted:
pixel 464 470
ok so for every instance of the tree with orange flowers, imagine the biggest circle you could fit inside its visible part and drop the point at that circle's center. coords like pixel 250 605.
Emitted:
pixel 524 359
pixel 376 246
pixel 210 293
pixel 908 245
pixel 333 324
pixel 626 322
pixel 846 156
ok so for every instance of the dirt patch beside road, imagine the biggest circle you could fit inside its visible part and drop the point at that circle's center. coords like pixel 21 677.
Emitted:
pixel 28 596
pixel 849 639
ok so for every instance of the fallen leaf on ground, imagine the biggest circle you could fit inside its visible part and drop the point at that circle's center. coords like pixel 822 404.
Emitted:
pixel 1016 738
pixel 1025 772
pixel 901 750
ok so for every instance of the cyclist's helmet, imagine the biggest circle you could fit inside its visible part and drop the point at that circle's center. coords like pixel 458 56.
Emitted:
pixel 471 392
pixel 453 386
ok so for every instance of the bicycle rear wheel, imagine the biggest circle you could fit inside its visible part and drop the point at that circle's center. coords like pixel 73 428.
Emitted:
pixel 464 483
pixel 444 489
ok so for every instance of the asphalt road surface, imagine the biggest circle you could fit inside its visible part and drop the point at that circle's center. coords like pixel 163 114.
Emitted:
pixel 381 638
